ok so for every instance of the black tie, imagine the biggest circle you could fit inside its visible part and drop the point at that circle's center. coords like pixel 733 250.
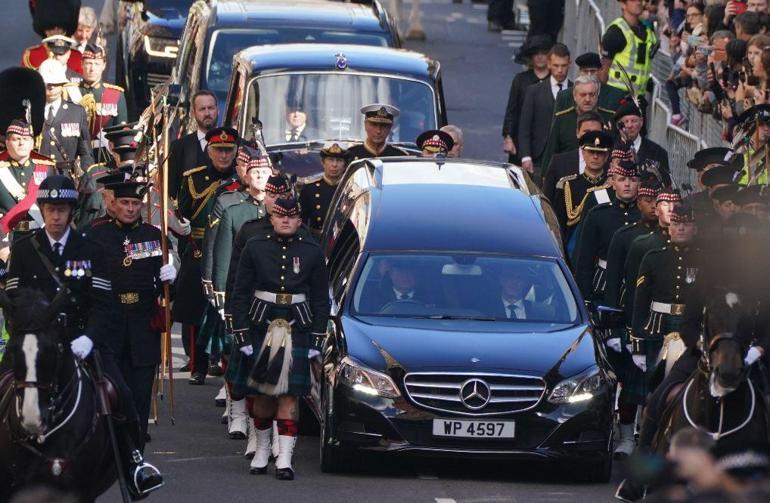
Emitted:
pixel 57 248
pixel 558 84
pixel 511 312
pixel 294 135
pixel 49 117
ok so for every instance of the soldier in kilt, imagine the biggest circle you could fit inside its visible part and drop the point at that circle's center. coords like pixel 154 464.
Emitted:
pixel 665 277
pixel 280 307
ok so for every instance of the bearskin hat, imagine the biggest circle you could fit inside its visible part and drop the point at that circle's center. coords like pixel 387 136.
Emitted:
pixel 49 14
pixel 16 85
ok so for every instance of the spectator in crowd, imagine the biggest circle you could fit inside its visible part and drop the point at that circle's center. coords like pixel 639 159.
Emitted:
pixel 747 25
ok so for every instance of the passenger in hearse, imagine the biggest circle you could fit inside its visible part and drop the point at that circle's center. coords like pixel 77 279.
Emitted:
pixel 516 282
pixel 296 122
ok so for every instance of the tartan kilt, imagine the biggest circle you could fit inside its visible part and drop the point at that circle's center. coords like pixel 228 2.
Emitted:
pixel 212 331
pixel 637 383
pixel 240 365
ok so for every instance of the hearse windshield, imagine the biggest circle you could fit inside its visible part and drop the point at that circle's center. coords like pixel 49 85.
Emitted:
pixel 464 287
pixel 300 107
pixel 226 43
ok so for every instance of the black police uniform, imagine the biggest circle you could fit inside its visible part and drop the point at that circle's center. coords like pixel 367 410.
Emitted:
pixel 591 253
pixel 133 254
pixel 315 199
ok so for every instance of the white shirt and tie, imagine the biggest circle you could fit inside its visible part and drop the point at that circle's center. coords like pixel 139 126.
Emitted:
pixel 515 310
pixel 58 245
pixel 403 295
pixel 557 86
pixel 637 144
pixel 202 139
pixel 51 109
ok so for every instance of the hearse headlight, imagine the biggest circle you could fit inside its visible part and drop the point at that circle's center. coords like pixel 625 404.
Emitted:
pixel 367 381
pixel 161 47
pixel 579 388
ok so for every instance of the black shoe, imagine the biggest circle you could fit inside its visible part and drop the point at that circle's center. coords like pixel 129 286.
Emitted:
pixel 220 402
pixel 143 479
pixel 284 474
pixel 237 435
pixel 493 27
pixel 216 371
pixel 261 471
pixel 630 491
pixel 147 438
pixel 185 367
pixel 197 379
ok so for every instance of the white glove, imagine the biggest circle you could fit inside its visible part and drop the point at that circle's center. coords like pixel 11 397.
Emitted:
pixel 753 355
pixel 184 227
pixel 82 346
pixel 614 344
pixel 640 361
pixel 630 348
pixel 312 353
pixel 247 350
pixel 221 312
pixel 167 273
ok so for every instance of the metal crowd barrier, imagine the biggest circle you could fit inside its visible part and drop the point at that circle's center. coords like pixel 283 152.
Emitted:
pixel 585 22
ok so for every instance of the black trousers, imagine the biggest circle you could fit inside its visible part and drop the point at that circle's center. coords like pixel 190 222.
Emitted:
pixel 139 380
pixel 500 11
pixel 546 17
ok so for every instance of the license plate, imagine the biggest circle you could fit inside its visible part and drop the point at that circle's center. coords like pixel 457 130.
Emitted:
pixel 473 429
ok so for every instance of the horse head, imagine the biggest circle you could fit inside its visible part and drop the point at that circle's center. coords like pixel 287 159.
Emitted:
pixel 34 352
pixel 729 327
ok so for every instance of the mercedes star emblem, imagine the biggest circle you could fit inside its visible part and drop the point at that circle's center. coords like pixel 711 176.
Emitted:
pixel 475 394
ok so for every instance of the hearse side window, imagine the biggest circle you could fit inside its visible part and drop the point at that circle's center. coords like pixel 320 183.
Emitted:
pixel 342 259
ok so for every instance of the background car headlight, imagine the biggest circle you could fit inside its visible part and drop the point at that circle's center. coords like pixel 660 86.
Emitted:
pixel 161 47
pixel 579 388
pixel 366 380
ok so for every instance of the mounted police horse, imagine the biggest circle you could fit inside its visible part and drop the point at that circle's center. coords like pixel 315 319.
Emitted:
pixel 51 429
pixel 720 399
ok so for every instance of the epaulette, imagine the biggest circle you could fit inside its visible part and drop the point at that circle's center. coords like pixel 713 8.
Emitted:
pixel 41 159
pixel 601 194
pixel 312 179
pixel 565 179
pixel 4 164
pixel 113 86
pixel 96 165
pixel 194 170
pixel 565 111
pixel 71 84
pixel 606 110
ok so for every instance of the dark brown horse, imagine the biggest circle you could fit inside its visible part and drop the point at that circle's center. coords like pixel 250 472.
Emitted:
pixel 51 431
pixel 719 399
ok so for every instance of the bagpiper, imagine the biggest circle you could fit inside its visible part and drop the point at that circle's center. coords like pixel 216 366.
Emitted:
pixel 316 196
pixel 50 18
pixel 280 311
pixel 378 123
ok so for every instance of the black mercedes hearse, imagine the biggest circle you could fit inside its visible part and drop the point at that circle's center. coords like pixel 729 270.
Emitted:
pixel 457 329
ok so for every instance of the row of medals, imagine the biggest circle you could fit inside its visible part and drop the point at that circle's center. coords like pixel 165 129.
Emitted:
pixel 77 271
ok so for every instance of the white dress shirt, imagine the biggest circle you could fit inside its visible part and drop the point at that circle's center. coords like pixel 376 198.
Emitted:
pixel 403 295
pixel 581 163
pixel 202 139
pixel 517 307
pixel 638 143
pixel 62 240
pixel 53 106
pixel 555 86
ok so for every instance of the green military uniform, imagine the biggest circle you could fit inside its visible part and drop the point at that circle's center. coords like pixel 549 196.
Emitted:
pixel 223 201
pixel 609 99
pixel 562 136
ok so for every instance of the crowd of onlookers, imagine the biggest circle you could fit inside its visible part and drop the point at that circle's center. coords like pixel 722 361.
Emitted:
pixel 720 55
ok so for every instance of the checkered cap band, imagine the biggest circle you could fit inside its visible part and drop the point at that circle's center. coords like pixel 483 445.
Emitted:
pixel 63 194
pixel 260 162
pixel 669 196
pixel 648 191
pixel 16 128
pixel 682 215
pixel 277 185
pixel 622 154
pixel 243 155
pixel 435 144
pixel 286 208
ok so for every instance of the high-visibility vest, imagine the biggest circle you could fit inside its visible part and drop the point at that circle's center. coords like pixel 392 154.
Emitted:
pixel 746 175
pixel 636 58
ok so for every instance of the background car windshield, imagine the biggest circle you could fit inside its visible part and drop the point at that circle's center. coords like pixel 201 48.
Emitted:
pixel 226 43
pixel 464 286
pixel 182 5
pixel 331 104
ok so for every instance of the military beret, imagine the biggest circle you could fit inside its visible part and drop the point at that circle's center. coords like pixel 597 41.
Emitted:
pixel 288 207
pixel 435 141
pixel 598 141
pixel 588 60
pixel 222 137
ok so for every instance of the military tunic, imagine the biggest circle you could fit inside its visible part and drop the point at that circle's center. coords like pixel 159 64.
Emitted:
pixel 34 56
pixel 572 193
pixel 362 151
pixel 593 246
pixel 196 200
pixel 67 135
pixel 223 201
pixel 16 180
pixel 315 199
pixel 614 293
pixel 636 252
pixel 293 265
pixel 562 136
pixel 133 254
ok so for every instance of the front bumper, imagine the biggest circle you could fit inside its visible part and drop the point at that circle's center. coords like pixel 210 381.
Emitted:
pixel 546 432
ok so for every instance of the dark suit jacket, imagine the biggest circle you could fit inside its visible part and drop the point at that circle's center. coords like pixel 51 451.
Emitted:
pixel 535 120
pixel 532 310
pixel 561 165
pixel 70 130
pixel 651 150
pixel 185 153
pixel 519 85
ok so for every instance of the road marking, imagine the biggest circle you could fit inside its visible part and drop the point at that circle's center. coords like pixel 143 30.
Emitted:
pixel 445 500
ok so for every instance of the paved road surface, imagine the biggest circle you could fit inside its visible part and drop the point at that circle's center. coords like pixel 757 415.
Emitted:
pixel 202 465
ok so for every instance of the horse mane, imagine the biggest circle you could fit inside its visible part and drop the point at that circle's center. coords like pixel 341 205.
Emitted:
pixel 28 311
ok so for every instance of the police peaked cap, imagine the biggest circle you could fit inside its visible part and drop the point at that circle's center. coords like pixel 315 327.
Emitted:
pixel 56 14
pixel 596 140
pixel 57 189
pixel 725 192
pixel 17 85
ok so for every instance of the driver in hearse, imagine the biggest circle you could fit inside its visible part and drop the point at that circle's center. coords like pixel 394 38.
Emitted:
pixel 399 283
pixel 55 257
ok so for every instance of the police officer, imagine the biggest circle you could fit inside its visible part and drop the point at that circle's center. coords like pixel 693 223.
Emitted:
pixel 21 172
pixel 599 226
pixel 133 254
pixel 285 275
pixel 105 103
pixel 197 196
pixel 572 191
pixel 378 123
pixel 434 143
pixel 630 44
pixel 315 197
pixel 614 296
pixel 65 137
pixel 754 169
pixel 56 258
pixel 49 18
